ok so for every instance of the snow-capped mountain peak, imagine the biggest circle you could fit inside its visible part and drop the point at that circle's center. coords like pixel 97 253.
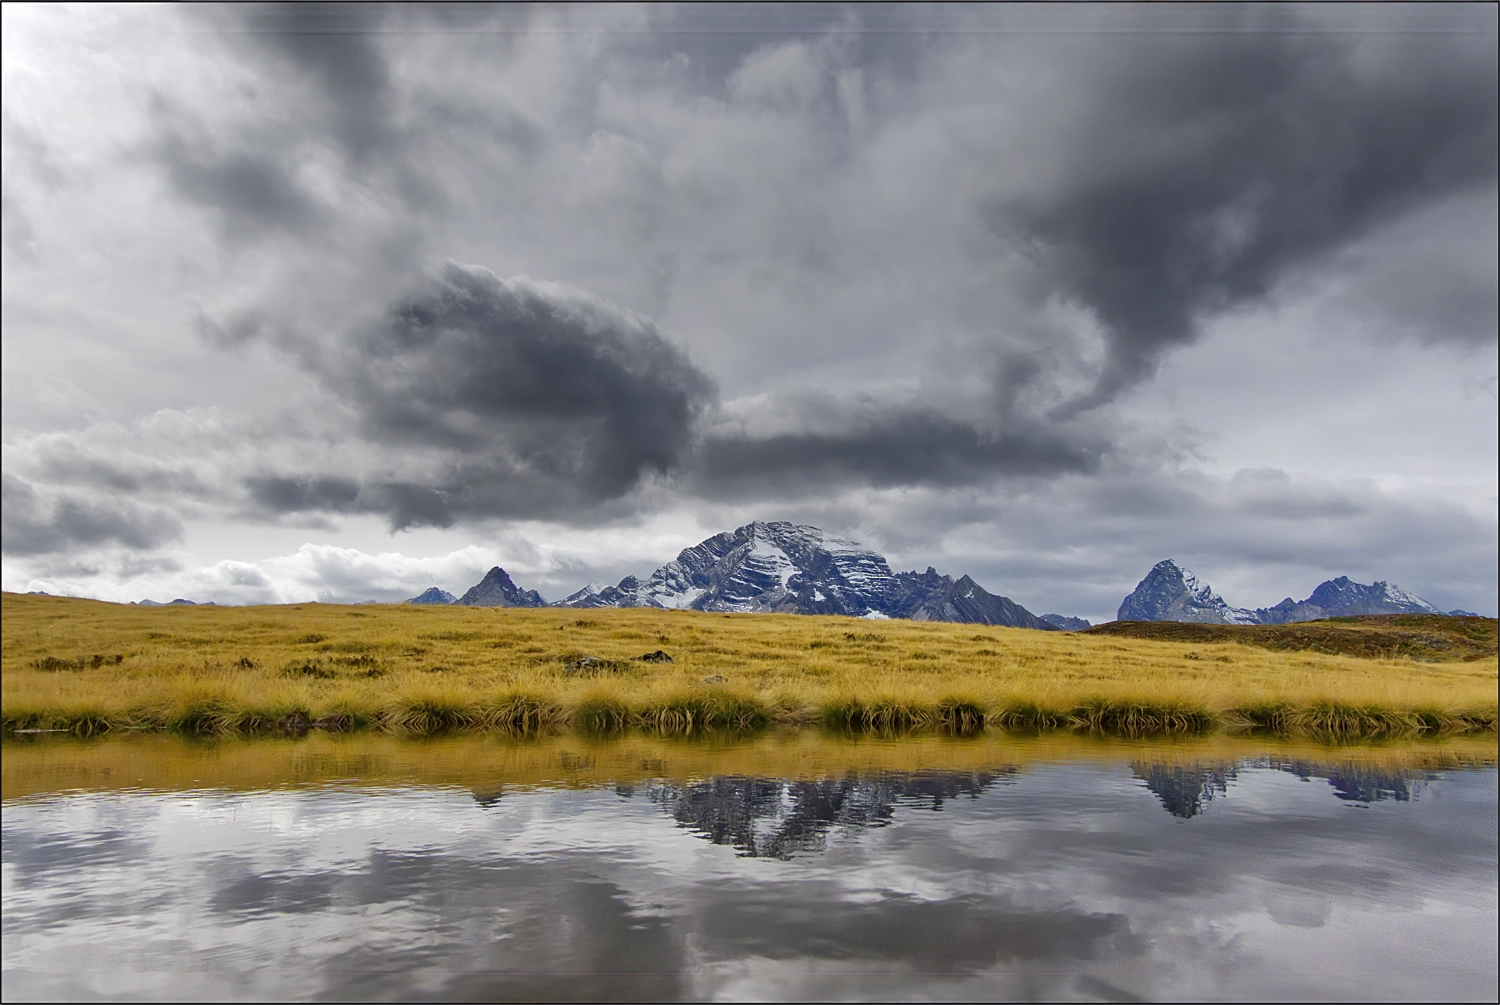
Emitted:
pixel 791 568
pixel 1172 593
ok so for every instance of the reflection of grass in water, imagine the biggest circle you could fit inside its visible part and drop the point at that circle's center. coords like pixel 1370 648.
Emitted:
pixel 425 670
pixel 51 764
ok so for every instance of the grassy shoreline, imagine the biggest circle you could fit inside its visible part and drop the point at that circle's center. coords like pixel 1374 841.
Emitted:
pixel 89 667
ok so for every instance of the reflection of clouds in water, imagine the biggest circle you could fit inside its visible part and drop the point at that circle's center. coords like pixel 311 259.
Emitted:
pixel 1064 881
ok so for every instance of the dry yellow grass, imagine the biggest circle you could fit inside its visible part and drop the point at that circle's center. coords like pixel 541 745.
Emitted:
pixel 420 669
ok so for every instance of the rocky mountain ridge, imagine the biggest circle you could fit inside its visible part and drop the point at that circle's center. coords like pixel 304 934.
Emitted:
pixel 494 590
pixel 1172 593
pixel 782 568
pixel 433 595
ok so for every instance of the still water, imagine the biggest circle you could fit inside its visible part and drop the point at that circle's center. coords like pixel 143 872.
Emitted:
pixel 480 871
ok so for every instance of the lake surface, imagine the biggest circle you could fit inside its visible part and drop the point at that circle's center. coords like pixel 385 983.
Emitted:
pixel 791 868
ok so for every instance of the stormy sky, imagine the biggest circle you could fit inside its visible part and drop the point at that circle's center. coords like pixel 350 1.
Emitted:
pixel 338 303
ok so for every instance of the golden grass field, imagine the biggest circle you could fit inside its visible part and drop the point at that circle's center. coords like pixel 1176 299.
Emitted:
pixel 92 667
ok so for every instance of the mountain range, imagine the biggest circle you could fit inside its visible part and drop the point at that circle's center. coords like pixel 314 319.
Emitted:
pixel 786 568
pixel 1172 593
pixel 780 568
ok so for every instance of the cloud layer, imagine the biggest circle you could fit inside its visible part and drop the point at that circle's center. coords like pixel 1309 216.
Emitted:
pixel 268 267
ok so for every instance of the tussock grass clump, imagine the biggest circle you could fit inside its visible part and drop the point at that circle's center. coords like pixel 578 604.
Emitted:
pixel 880 713
pixel 1141 718
pixel 306 669
pixel 433 713
pixel 274 717
pixel 601 713
pixel 1028 716
pixel 344 714
pixel 52 664
pixel 203 715
pixel 694 711
pixel 410 669
pixel 1343 720
pixel 961 716
pixel 520 713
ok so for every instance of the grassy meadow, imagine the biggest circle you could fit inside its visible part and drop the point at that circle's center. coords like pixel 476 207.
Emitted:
pixel 92 667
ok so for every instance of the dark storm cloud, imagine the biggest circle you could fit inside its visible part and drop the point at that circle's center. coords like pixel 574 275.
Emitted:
pixel 469 492
pixel 546 399
pixel 904 446
pixel 34 525
pixel 1205 172
pixel 291 495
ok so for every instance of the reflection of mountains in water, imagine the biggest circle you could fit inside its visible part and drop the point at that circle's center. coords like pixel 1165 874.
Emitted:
pixel 777 818
pixel 1185 790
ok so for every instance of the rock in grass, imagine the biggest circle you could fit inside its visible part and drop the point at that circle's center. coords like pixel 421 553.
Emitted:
pixel 591 666
pixel 655 657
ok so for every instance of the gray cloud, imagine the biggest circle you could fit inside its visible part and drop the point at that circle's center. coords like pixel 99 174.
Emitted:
pixel 253 192
pixel 547 400
pixel 1429 278
pixel 35 525
pixel 899 446
pixel 543 398
pixel 1201 174
pixel 331 46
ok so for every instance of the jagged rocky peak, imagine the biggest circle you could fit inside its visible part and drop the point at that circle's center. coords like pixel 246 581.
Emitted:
pixel 497 590
pixel 1346 597
pixel 1064 623
pixel 433 595
pixel 584 596
pixel 791 568
pixel 929 596
pixel 775 566
pixel 599 595
pixel 1172 593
